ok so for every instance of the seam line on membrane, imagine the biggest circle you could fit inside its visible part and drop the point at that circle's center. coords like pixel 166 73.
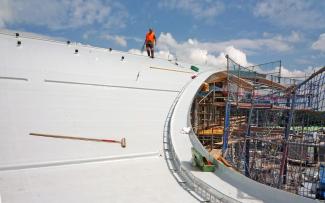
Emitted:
pixel 78 161
pixel 13 78
pixel 106 85
pixel 174 70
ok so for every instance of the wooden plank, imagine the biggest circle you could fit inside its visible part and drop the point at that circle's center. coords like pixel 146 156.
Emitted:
pixel 267 82
pixel 168 69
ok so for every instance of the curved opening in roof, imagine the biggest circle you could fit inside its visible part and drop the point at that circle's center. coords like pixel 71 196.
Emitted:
pixel 242 123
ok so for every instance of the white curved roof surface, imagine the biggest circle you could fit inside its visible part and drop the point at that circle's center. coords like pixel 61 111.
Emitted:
pixel 46 88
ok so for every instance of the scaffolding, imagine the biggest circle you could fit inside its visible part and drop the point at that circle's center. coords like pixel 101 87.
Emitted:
pixel 302 169
pixel 265 126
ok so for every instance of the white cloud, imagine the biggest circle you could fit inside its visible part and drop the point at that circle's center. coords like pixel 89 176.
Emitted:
pixel 87 34
pixel 137 52
pixel 237 55
pixel 119 40
pixel 207 51
pixel 320 43
pixel 192 51
pixel 165 55
pixel 291 73
pixel 274 44
pixel 300 74
pixel 293 13
pixel 205 60
pixel 204 9
pixel 294 37
pixel 295 73
pixel 277 43
pixel 212 54
pixel 62 14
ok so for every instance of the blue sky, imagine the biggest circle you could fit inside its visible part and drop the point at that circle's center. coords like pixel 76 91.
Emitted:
pixel 198 31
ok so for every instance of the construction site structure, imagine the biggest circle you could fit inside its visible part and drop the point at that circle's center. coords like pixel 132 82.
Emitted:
pixel 268 127
pixel 66 104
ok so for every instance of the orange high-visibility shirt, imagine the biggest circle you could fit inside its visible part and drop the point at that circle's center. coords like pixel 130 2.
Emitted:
pixel 150 37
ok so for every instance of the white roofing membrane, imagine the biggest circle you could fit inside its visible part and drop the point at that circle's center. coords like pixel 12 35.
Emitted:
pixel 46 88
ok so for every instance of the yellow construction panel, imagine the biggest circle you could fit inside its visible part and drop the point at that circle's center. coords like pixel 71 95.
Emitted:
pixel 211 132
pixel 205 87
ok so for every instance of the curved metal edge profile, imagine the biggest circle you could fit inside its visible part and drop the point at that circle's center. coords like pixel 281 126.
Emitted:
pixel 311 77
pixel 195 186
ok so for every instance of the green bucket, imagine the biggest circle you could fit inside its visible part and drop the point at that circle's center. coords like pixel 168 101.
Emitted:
pixel 194 68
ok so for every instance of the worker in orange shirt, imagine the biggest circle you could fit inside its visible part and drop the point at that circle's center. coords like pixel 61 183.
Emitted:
pixel 150 42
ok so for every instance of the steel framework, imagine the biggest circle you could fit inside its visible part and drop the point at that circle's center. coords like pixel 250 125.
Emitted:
pixel 268 127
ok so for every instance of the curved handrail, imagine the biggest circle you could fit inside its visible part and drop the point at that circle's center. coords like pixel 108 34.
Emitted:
pixel 198 188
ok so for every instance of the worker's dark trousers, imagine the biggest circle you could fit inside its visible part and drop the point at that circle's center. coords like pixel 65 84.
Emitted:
pixel 150 49
pixel 150 52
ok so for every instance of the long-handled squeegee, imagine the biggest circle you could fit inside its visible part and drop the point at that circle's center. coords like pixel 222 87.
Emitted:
pixel 122 142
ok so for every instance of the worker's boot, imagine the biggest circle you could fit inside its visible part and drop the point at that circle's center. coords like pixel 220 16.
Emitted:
pixel 152 54
pixel 148 52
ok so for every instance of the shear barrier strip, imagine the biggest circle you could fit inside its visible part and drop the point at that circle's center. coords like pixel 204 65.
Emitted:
pixel 196 187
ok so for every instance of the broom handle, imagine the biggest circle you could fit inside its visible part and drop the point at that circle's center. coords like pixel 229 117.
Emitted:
pixel 73 138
